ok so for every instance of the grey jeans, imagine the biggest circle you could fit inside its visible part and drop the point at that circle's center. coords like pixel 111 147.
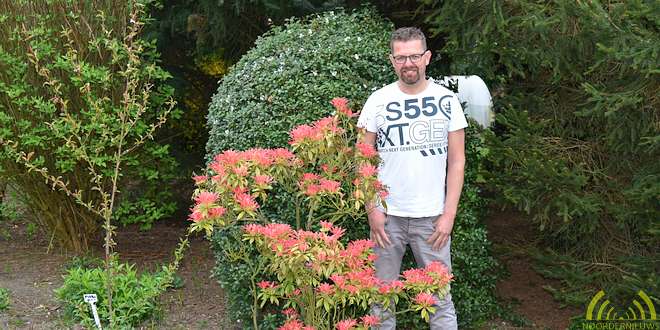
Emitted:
pixel 414 232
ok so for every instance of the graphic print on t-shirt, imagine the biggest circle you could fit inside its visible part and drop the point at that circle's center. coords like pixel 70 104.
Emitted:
pixel 412 133
pixel 414 124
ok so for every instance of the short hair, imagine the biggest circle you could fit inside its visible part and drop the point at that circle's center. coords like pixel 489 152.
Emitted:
pixel 407 34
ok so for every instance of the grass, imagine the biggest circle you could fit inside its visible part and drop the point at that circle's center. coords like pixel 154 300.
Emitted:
pixel 4 299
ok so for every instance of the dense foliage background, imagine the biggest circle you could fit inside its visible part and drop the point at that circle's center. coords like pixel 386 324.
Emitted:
pixel 576 88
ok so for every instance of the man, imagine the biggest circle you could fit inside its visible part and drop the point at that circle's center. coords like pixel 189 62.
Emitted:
pixel 417 128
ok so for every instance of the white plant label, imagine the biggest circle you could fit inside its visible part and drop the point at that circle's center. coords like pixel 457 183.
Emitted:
pixel 91 299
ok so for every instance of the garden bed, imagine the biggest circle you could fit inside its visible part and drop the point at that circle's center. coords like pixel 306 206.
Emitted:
pixel 31 274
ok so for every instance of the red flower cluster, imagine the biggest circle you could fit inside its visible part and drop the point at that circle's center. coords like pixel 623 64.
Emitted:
pixel 424 299
pixel 346 324
pixel 230 171
pixel 262 158
pixel 280 238
pixel 367 170
pixel 356 281
pixel 267 285
pixel 355 252
pixel 366 150
pixel 368 321
pixel 393 287
pixel 293 323
pixel 341 104
pixel 272 231
pixel 245 201
pixel 206 198
pixel 315 132
pixel 433 275
pixel 367 181
pixel 205 207
pixel 312 185
pixel 262 179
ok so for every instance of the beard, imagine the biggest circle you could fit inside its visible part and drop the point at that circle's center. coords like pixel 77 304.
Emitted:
pixel 410 75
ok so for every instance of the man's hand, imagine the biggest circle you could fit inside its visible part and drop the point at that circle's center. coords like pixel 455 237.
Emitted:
pixel 377 224
pixel 443 227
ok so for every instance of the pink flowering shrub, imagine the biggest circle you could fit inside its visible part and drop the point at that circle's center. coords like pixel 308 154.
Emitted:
pixel 322 282
pixel 320 277
pixel 322 170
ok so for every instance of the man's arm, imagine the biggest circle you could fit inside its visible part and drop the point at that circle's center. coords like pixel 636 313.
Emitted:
pixel 376 216
pixel 455 173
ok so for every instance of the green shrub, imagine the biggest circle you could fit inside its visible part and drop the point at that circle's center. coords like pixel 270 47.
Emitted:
pixel 4 299
pixel 134 298
pixel 76 91
pixel 290 75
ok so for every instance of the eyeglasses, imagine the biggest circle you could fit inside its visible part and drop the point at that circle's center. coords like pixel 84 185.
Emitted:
pixel 401 59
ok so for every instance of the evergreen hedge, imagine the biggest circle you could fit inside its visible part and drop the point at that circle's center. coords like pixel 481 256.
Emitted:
pixel 576 88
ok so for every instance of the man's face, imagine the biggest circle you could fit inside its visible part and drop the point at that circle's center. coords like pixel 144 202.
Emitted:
pixel 410 72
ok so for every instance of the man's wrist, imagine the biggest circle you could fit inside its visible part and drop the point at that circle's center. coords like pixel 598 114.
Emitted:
pixel 450 213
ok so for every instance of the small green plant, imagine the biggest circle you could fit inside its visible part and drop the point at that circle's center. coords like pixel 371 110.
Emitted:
pixel 4 299
pixel 8 210
pixel 178 282
pixel 134 296
pixel 30 230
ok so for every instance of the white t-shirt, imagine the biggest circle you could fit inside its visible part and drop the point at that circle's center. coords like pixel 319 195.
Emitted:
pixel 411 140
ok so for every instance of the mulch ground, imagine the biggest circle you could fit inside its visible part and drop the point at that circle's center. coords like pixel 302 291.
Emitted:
pixel 511 235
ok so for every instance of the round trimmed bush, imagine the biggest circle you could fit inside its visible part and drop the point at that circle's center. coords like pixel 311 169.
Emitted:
pixel 293 72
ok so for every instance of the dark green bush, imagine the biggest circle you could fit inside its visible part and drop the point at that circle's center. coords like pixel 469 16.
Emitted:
pixel 276 87
pixel 474 268
pixel 576 87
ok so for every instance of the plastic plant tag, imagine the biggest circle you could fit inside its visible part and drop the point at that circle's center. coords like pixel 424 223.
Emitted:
pixel 91 299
